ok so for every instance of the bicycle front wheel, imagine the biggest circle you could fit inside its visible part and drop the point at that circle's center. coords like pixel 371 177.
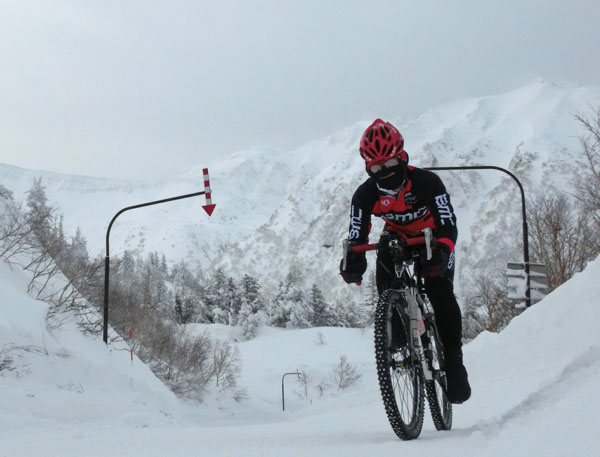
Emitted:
pixel 398 370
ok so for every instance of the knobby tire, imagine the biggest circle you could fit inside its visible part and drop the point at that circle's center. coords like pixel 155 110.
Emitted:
pixel 439 406
pixel 399 373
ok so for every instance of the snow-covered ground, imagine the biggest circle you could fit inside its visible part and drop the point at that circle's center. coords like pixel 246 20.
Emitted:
pixel 64 394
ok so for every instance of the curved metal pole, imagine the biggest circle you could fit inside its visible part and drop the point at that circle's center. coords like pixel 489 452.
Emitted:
pixel 107 258
pixel 297 373
pixel 525 230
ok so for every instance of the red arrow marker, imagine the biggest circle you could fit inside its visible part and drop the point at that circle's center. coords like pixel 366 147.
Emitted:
pixel 210 206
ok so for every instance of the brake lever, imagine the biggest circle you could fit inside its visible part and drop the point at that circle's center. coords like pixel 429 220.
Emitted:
pixel 428 234
pixel 345 247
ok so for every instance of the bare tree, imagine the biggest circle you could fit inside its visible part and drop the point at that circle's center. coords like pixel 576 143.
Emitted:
pixel 344 374
pixel 225 364
pixel 70 295
pixel 588 176
pixel 15 232
pixel 563 236
pixel 305 381
pixel 491 299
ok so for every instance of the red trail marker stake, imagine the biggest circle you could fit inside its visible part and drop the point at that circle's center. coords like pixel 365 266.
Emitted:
pixel 131 344
pixel 210 206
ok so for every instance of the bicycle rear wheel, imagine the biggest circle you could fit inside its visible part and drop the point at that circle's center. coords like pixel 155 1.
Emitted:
pixel 439 406
pixel 398 370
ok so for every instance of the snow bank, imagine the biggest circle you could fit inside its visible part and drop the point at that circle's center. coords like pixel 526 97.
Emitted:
pixel 536 382
pixel 534 391
pixel 62 377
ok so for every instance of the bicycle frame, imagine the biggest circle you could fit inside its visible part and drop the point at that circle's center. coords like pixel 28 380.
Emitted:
pixel 412 367
pixel 415 311
pixel 409 284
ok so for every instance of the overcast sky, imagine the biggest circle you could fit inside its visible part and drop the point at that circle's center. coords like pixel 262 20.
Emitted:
pixel 148 89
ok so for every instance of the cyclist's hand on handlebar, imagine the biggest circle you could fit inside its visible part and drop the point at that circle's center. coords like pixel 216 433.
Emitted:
pixel 440 257
pixel 351 278
pixel 383 244
pixel 356 265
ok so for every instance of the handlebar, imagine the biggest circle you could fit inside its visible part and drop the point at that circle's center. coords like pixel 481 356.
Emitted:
pixel 425 240
pixel 417 241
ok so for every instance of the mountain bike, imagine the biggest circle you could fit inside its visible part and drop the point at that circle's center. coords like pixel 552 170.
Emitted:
pixel 408 351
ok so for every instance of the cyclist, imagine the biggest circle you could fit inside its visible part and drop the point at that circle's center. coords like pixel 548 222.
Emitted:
pixel 409 199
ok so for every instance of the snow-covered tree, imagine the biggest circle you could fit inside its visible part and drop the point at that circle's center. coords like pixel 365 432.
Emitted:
pixel 184 309
pixel 371 299
pixel 232 302
pixel 39 214
pixel 249 289
pixel 323 315
pixel 216 297
pixel 78 248
pixel 5 193
pixel 188 295
pixel 291 307
pixel 251 314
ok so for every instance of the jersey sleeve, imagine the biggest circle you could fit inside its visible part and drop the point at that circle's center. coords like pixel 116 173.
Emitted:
pixel 438 203
pixel 362 205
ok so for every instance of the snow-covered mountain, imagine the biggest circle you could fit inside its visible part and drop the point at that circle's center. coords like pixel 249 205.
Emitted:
pixel 282 210
pixel 65 394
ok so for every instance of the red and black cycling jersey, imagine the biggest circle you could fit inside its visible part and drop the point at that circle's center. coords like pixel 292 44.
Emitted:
pixel 421 202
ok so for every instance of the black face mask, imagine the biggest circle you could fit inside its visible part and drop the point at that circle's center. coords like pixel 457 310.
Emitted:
pixel 395 180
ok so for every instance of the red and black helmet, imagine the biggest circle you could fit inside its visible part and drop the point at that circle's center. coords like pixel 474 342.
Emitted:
pixel 380 142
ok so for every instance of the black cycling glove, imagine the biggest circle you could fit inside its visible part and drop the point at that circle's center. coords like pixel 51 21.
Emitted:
pixel 356 265
pixel 440 257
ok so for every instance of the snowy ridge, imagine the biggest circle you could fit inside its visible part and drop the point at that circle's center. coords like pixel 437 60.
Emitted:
pixel 277 209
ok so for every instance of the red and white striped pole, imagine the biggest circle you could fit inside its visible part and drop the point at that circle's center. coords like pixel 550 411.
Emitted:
pixel 209 207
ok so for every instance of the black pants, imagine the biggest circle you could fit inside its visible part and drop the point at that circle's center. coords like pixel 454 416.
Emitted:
pixel 440 291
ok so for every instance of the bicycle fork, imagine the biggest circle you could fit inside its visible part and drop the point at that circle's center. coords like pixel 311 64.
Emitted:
pixel 416 330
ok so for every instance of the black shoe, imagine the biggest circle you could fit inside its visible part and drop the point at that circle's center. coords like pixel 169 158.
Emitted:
pixel 458 390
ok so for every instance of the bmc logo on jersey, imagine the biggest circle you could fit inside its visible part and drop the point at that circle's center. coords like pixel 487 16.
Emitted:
pixel 355 221
pixel 406 217
pixel 443 204
pixel 386 202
